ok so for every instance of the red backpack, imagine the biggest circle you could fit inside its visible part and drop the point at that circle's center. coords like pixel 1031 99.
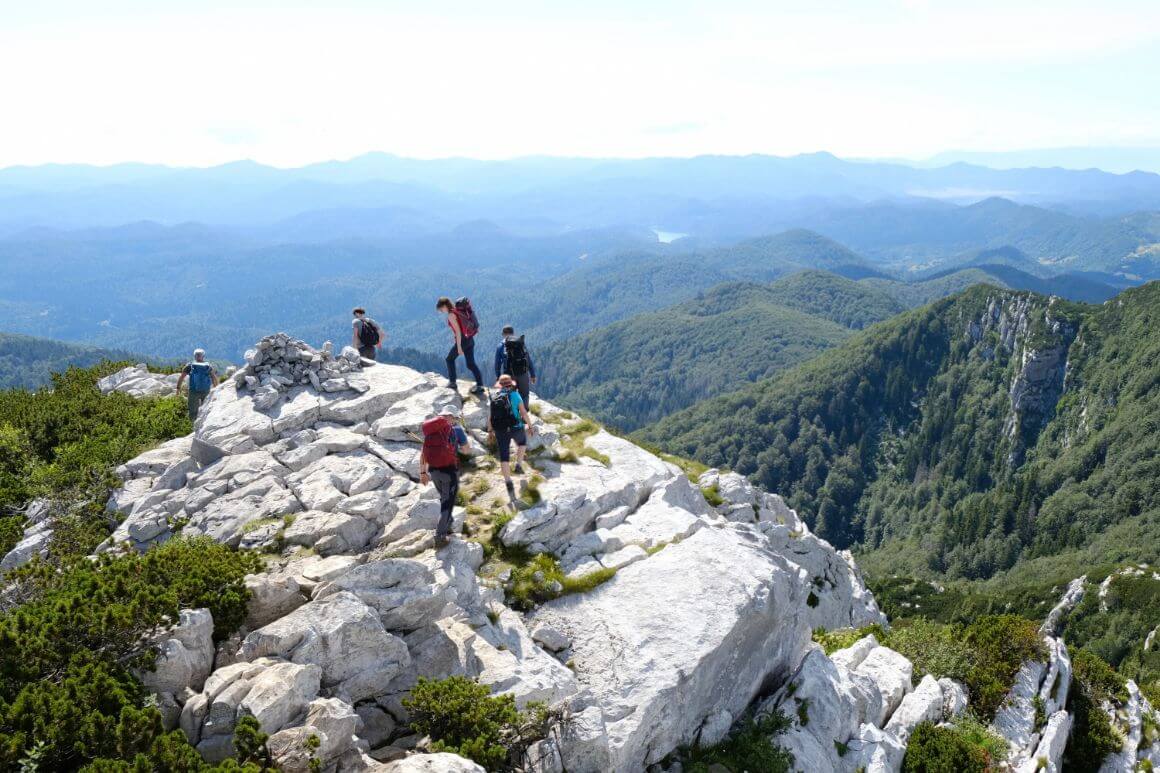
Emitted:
pixel 468 322
pixel 438 446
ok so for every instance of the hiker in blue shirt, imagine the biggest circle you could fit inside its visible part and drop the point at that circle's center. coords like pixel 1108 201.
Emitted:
pixel 508 420
pixel 202 378
pixel 513 358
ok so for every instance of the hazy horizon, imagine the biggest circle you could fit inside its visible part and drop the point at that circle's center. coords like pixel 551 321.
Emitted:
pixel 286 84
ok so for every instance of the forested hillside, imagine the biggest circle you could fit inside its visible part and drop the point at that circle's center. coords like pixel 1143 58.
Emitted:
pixel 638 370
pixel 29 362
pixel 983 430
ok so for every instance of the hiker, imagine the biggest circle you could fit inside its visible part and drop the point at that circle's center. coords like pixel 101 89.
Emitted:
pixel 506 421
pixel 443 436
pixel 513 358
pixel 464 325
pixel 366 335
pixel 202 378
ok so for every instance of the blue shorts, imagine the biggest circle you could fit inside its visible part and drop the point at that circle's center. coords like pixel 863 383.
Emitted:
pixel 504 438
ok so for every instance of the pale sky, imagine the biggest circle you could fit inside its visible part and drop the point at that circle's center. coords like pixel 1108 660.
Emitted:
pixel 199 82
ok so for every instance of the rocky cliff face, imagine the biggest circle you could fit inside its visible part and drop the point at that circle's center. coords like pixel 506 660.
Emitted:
pixel 1040 341
pixel 707 615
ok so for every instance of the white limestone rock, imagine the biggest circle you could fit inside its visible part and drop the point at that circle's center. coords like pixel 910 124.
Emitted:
pixel 432 763
pixel 341 635
pixel 697 607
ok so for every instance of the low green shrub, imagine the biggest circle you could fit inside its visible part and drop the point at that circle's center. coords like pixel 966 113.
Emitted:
pixel 841 638
pixel 713 495
pixel 463 717
pixel 67 651
pixel 934 749
pixel 749 747
pixel 1093 737
pixel 985 654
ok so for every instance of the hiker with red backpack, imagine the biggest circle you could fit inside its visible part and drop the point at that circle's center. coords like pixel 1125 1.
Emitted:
pixel 366 335
pixel 439 464
pixel 508 420
pixel 464 325
pixel 513 358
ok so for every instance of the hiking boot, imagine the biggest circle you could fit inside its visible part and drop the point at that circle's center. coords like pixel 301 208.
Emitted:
pixel 452 385
pixel 477 390
pixel 518 469
pixel 511 490
pixel 441 541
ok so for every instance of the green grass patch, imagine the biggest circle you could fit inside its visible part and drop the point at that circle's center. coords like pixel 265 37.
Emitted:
pixel 749 747
pixel 841 638
pixel 539 578
pixel 531 494
pixel 713 495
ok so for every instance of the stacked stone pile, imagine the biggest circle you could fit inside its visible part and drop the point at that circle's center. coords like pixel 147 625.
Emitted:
pixel 279 362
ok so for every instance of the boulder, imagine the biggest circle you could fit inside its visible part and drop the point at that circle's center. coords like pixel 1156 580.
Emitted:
pixel 696 608
pixel 341 635
pixel 432 763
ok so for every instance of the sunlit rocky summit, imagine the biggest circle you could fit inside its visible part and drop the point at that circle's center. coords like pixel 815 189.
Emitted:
pixel 706 615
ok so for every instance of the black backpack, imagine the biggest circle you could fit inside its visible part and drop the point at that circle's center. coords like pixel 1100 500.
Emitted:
pixel 517 356
pixel 501 411
pixel 368 333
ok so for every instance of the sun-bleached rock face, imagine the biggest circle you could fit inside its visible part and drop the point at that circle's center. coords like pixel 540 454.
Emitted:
pixel 137 381
pixel 432 763
pixel 340 634
pixel 706 607
pixel 696 608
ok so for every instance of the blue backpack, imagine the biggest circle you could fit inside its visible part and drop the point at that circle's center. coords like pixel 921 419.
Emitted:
pixel 199 376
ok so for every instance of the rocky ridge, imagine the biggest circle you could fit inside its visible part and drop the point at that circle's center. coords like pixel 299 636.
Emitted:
pixel 137 381
pixel 707 616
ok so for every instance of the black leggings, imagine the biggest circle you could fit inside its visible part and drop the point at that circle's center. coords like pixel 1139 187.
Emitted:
pixel 468 356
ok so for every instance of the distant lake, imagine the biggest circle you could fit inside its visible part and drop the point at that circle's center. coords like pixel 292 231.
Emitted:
pixel 665 237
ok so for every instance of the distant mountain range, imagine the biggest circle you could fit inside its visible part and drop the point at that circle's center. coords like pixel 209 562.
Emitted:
pixel 1109 159
pixel 28 362
pixel 722 196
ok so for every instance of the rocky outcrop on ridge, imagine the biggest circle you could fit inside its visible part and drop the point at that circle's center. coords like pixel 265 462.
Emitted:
pixel 709 607
pixel 137 381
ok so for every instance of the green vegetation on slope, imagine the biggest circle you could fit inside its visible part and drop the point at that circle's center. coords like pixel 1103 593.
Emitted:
pixel 906 434
pixel 29 362
pixel 851 304
pixel 66 651
pixel 64 443
pixel 72 629
pixel 643 368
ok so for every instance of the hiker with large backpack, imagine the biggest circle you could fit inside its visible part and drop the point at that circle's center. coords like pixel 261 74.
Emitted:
pixel 443 436
pixel 513 358
pixel 507 420
pixel 464 325
pixel 366 335
pixel 202 378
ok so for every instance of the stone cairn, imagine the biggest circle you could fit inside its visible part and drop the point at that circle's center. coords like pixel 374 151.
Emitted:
pixel 278 362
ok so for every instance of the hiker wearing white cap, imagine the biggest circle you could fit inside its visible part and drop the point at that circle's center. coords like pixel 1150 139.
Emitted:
pixel 443 436
pixel 202 378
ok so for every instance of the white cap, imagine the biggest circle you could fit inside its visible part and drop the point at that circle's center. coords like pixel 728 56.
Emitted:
pixel 199 352
pixel 449 410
